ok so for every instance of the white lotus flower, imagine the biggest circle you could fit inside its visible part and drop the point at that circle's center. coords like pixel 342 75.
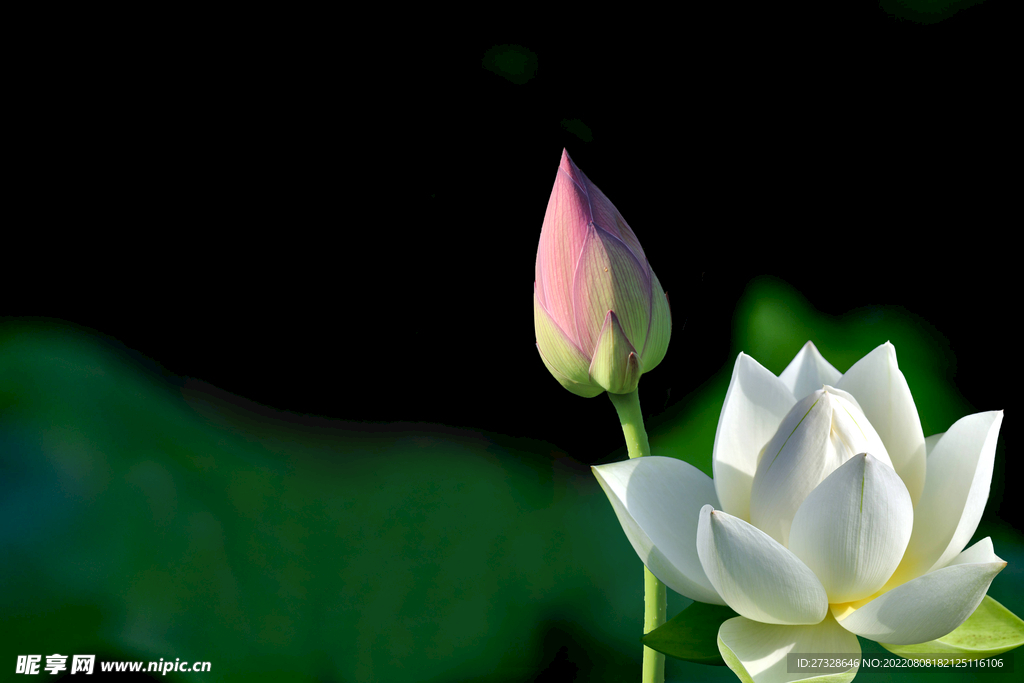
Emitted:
pixel 820 524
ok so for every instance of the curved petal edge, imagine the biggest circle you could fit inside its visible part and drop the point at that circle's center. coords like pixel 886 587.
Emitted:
pixel 924 609
pixel 758 653
pixel 959 476
pixel 808 372
pixel 990 631
pixel 755 574
pixel 657 501
pixel 754 407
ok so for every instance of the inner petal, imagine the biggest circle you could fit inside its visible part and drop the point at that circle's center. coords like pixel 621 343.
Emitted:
pixel 853 528
pixel 819 434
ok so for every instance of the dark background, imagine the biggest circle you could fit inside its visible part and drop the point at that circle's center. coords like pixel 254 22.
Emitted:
pixel 363 231
pixel 351 233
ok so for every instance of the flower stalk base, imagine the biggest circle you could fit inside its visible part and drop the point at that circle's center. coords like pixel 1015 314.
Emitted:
pixel 655 606
pixel 655 597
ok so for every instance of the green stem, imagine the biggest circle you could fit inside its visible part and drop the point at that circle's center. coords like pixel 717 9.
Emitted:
pixel 632 420
pixel 655 606
pixel 637 445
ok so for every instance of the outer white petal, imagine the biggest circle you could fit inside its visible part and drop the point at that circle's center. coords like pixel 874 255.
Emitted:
pixel 757 577
pixel 930 606
pixel 757 652
pixel 754 406
pixel 853 528
pixel 808 372
pixel 884 396
pixel 820 433
pixel 930 441
pixel 959 476
pixel 982 551
pixel 658 502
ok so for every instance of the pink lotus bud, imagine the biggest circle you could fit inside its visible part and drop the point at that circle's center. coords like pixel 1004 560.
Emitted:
pixel 601 316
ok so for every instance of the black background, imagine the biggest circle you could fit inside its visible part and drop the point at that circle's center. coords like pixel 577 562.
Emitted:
pixel 344 224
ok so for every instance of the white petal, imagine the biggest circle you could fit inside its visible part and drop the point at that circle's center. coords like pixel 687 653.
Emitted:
pixel 982 551
pixel 757 577
pixel 853 431
pixel 757 652
pixel 754 406
pixel 929 443
pixel 853 528
pixel 658 502
pixel 955 493
pixel 819 434
pixel 884 396
pixel 928 607
pixel 808 372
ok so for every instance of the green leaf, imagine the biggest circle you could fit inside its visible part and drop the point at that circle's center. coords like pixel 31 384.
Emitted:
pixel 990 631
pixel 692 634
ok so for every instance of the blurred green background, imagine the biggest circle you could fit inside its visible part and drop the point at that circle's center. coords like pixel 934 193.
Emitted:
pixel 147 517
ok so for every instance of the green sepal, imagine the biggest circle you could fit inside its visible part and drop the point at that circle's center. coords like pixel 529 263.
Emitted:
pixel 616 365
pixel 990 631
pixel 561 356
pixel 692 634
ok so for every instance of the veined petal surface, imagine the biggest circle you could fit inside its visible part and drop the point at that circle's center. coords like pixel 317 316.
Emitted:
pixel 606 216
pixel 755 404
pixel 929 606
pixel 853 528
pixel 820 433
pixel 808 372
pixel 658 502
pixel 757 652
pixel 754 574
pixel 884 396
pixel 566 222
pixel 557 348
pixel 582 390
pixel 955 493
pixel 660 327
pixel 610 278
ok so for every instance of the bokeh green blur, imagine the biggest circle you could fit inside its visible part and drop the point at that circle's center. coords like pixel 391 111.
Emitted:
pixel 142 521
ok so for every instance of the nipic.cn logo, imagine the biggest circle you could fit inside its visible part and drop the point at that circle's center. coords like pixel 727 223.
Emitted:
pixel 55 663
pixel 85 664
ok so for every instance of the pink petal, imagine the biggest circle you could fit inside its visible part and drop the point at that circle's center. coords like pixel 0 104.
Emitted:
pixel 561 241
pixel 609 278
